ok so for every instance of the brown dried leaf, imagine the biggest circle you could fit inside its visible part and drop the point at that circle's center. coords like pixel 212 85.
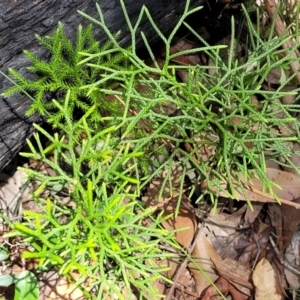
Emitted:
pixel 288 195
pixel 292 258
pixel 222 284
pixel 192 59
pixel 222 224
pixel 225 287
pixel 290 222
pixel 264 280
pixel 184 219
pixel 169 204
pixel 236 273
pixel 289 183
pixel 252 214
pixel 295 159
pixel 205 256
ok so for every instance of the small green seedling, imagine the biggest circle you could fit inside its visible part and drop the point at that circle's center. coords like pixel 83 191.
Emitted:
pixel 26 286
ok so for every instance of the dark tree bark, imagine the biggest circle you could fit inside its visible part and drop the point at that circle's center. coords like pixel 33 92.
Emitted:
pixel 20 20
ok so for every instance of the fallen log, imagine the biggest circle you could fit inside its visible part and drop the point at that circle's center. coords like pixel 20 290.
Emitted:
pixel 20 20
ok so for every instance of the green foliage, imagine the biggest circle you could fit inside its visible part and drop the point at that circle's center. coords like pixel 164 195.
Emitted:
pixel 217 108
pixel 26 286
pixel 101 233
pixel 104 161
pixel 62 72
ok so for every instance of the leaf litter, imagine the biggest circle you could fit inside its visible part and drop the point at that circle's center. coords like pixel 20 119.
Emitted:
pixel 230 250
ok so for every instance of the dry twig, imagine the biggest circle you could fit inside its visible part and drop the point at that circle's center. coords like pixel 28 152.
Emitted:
pixel 280 29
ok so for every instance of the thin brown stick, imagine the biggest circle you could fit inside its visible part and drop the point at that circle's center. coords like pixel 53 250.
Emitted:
pixel 280 29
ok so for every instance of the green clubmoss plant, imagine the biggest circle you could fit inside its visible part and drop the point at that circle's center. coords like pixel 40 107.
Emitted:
pixel 112 157
pixel 62 73
pixel 101 233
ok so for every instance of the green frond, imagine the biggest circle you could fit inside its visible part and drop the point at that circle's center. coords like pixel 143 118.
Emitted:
pixel 63 72
pixel 38 66
pixel 20 79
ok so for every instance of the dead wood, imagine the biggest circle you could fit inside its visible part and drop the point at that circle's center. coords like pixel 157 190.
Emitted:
pixel 20 20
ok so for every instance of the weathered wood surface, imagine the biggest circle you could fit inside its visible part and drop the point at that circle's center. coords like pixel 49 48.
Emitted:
pixel 20 20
